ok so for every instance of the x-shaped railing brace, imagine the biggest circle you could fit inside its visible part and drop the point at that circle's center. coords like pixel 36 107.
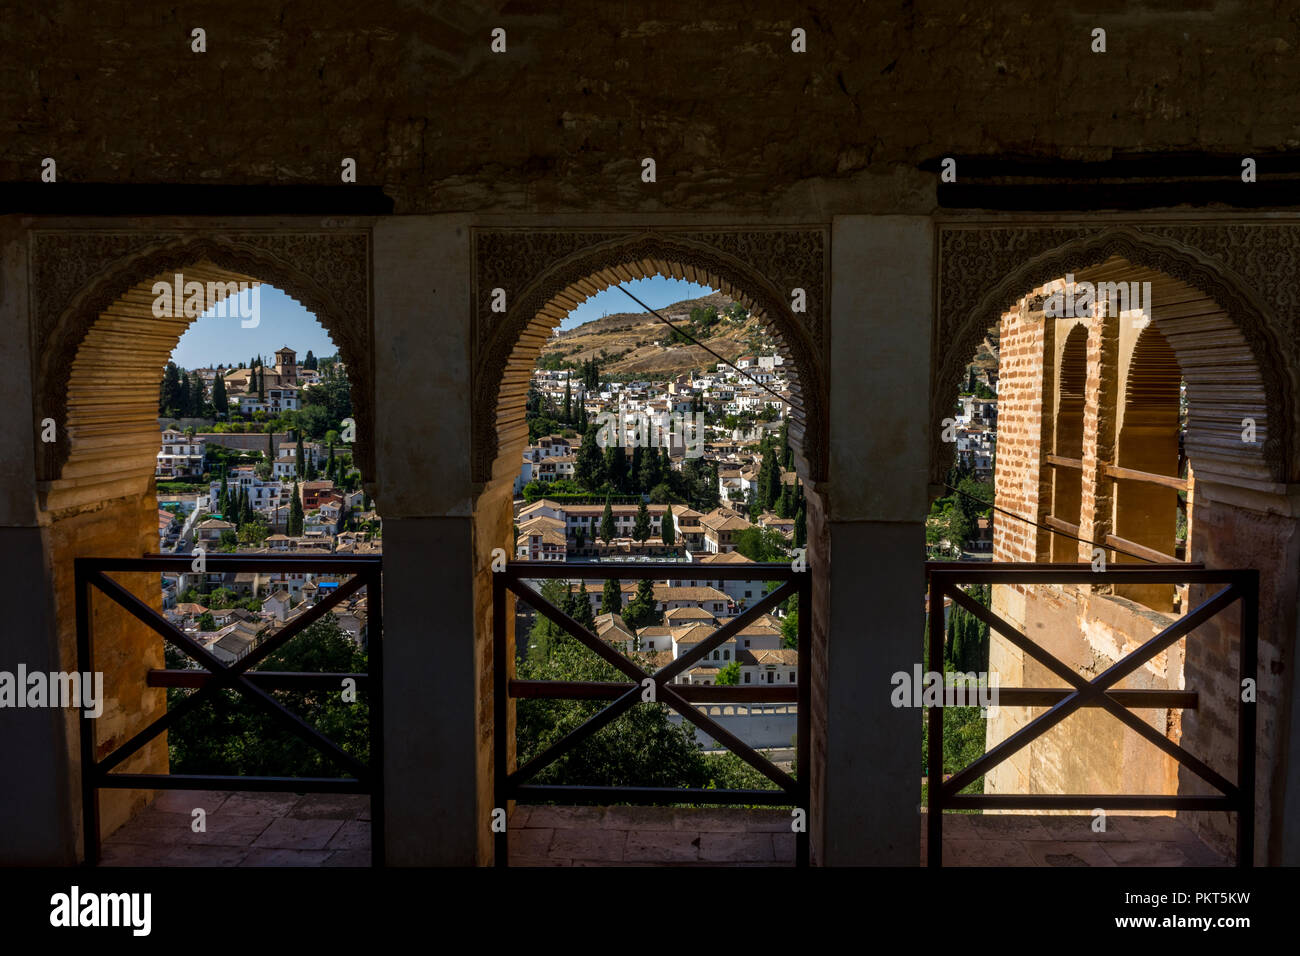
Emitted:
pixel 661 678
pixel 223 676
pixel 1086 691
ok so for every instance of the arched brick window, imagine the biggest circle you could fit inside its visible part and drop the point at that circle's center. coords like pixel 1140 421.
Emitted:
pixel 1067 482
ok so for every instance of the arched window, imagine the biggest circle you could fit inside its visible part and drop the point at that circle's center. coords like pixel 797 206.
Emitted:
pixel 1146 510
pixel 1067 478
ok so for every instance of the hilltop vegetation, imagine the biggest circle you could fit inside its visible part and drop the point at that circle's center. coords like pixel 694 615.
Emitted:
pixel 631 343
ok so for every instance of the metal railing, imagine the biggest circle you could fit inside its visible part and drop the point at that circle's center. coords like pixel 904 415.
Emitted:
pixel 367 778
pixel 513 785
pixel 946 579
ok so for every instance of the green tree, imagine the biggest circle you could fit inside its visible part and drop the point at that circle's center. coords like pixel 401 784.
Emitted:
pixel 611 600
pixel 231 736
pixel 640 748
pixel 641 527
pixel 221 598
pixel 545 634
pixel 580 610
pixel 206 622
pixel 642 610
pixel 589 469
pixel 790 623
pixel 220 403
pixel 607 521
pixel 728 675
pixel 295 523
pixel 301 469
pixel 667 534
pixel 769 480
pixel 616 468
pixel 760 544
pixel 169 397
pixel 636 469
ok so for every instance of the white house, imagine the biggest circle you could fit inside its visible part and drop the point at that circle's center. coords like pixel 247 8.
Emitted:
pixel 181 456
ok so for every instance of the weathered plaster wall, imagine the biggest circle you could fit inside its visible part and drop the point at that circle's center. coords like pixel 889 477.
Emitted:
pixel 564 117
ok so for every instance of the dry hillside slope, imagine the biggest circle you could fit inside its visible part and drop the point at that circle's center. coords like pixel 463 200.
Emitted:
pixel 626 341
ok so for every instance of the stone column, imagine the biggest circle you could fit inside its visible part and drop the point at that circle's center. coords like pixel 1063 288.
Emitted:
pixel 435 754
pixel 867 787
pixel 1096 512
pixel 38 815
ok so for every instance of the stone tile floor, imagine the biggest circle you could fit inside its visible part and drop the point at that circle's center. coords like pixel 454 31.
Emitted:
pixel 649 836
pixel 245 829
pixel 1020 839
pixel 273 829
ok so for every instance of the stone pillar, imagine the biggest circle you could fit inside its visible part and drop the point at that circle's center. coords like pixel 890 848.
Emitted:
pixel 38 816
pixel 1096 512
pixel 435 745
pixel 867 768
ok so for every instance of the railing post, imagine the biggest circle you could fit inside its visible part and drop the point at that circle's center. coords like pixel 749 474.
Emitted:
pixel 1248 581
pixel 375 668
pixel 934 715
pixel 85 664
pixel 803 752
pixel 500 720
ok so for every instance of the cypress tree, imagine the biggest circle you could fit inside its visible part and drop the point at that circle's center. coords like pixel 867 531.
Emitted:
pixel 295 513
pixel 800 528
pixel 666 532
pixel 568 402
pixel 197 395
pixel 182 407
pixel 582 612
pixel 607 521
pixel 611 600
pixel 638 472
pixel 769 480
pixel 220 403
pixel 641 527
pixel 652 469
pixel 950 637
pixel 300 469
pixel 589 469
pixel 169 396
pixel 616 467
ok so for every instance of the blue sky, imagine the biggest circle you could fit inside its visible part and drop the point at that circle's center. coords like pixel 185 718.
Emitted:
pixel 213 340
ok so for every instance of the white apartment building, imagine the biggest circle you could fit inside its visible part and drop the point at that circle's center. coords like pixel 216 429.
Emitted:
pixel 181 456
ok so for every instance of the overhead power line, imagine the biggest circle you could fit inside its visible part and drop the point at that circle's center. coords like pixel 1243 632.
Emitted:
pixel 695 341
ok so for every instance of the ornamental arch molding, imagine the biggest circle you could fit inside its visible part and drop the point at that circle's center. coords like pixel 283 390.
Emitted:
pixel 77 276
pixel 545 274
pixel 1242 267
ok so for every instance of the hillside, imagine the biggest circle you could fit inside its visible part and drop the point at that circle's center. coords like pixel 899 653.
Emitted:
pixel 627 340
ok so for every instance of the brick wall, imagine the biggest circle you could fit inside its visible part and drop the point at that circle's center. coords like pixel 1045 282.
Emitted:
pixel 1018 474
